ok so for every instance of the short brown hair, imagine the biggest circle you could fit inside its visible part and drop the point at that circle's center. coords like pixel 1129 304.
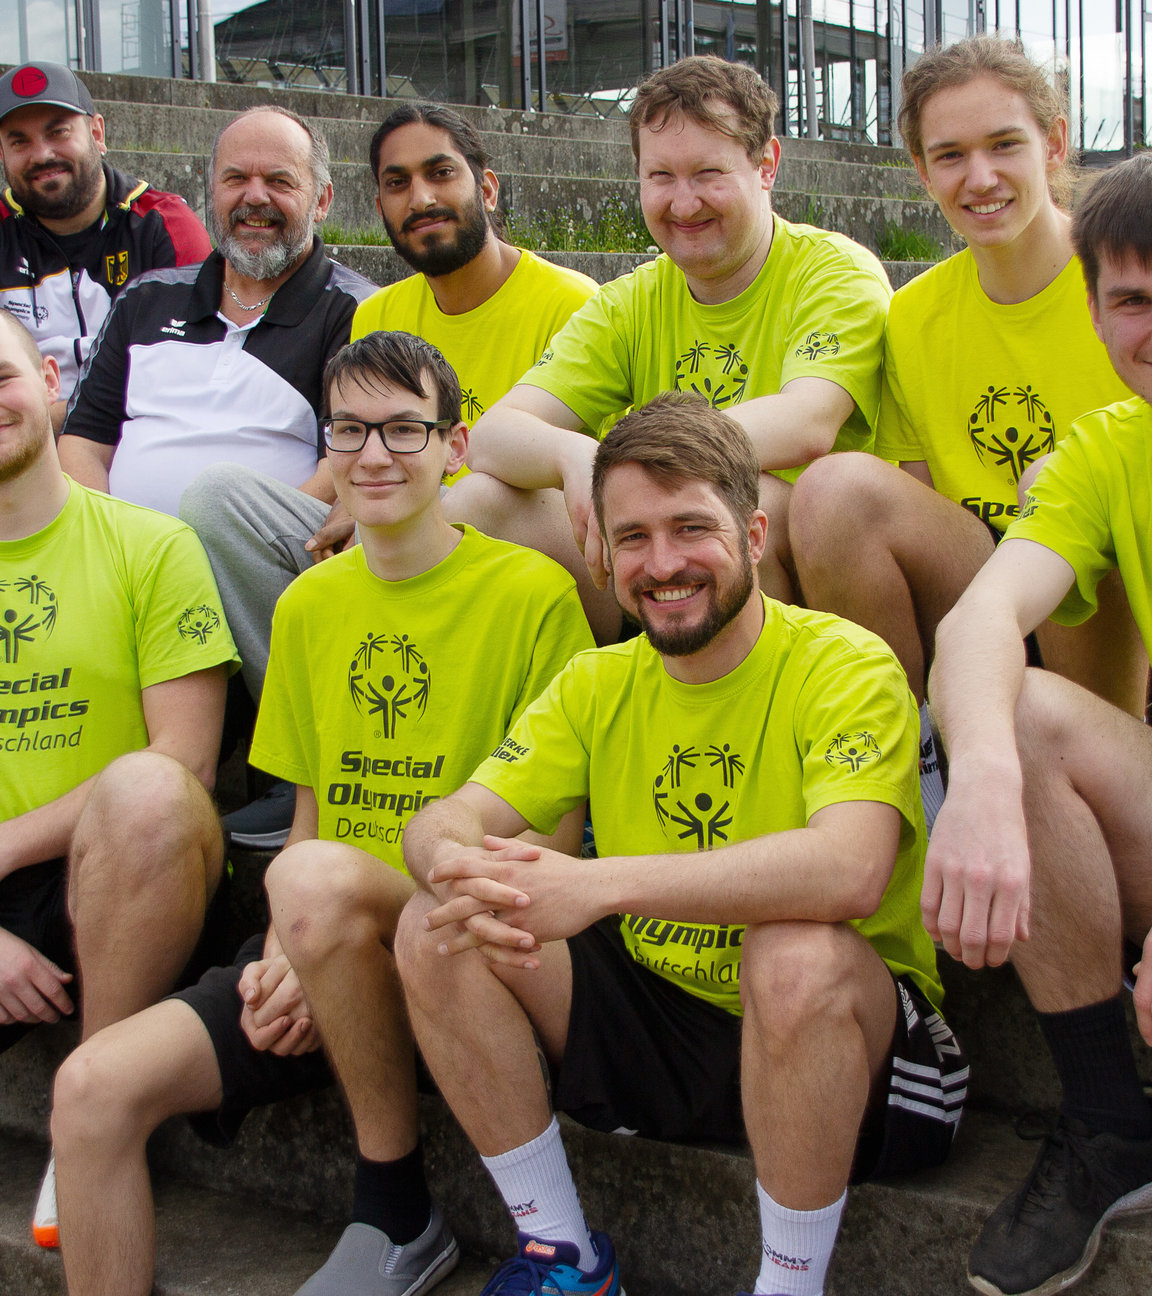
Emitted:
pixel 947 68
pixel 402 361
pixel 679 437
pixel 700 87
pixel 1113 220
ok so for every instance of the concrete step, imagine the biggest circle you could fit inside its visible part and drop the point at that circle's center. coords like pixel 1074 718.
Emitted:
pixel 382 266
pixel 208 1243
pixel 108 88
pixel 683 1221
pixel 169 129
pixel 532 197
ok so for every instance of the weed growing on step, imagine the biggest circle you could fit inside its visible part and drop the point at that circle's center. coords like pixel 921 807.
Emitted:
pixel 337 236
pixel 896 243
pixel 618 227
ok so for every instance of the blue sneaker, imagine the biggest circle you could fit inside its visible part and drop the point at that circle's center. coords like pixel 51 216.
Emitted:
pixel 549 1269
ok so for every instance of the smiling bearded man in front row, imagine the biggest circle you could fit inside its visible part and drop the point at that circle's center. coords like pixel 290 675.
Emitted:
pixel 696 980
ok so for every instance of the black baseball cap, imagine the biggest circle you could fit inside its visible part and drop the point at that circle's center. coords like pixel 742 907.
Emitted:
pixel 44 83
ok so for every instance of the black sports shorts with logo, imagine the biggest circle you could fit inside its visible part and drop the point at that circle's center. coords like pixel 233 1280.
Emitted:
pixel 646 1057
pixel 34 906
pixel 249 1077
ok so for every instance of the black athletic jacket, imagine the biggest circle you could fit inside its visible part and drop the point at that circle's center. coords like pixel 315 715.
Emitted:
pixel 62 290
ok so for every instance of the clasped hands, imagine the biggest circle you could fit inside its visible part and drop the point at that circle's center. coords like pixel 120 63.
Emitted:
pixel 506 899
pixel 276 1015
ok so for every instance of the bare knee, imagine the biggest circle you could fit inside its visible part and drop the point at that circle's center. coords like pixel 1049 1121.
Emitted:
pixel 96 1101
pixel 484 502
pixel 144 811
pixel 793 973
pixel 423 969
pixel 320 895
pixel 836 501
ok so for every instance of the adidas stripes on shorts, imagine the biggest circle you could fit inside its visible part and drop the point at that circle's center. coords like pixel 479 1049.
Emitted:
pixel 644 1056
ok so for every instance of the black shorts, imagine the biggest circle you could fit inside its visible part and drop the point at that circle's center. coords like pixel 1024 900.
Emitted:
pixel 646 1057
pixel 34 906
pixel 249 1077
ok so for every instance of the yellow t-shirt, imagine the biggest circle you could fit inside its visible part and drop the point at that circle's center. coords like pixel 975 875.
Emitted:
pixel 383 695
pixel 108 599
pixel 980 391
pixel 489 347
pixel 816 309
pixel 818 713
pixel 1092 504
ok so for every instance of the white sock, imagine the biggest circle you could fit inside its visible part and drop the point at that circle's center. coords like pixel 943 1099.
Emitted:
pixel 536 1184
pixel 931 782
pixel 797 1247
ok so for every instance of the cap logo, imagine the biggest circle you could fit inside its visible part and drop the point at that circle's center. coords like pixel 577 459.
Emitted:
pixel 29 81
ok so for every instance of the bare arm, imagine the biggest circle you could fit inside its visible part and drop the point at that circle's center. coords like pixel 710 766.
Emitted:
pixel 184 718
pixel 526 439
pixel 797 425
pixel 276 1014
pixel 85 461
pixel 832 870
pixel 976 897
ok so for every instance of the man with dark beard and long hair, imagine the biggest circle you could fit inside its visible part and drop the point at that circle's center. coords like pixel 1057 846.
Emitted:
pixel 745 958
pixel 74 230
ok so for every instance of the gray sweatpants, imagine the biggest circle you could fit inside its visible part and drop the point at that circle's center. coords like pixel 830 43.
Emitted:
pixel 254 529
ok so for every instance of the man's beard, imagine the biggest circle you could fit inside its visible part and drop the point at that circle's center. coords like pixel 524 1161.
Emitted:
pixel 723 607
pixel 79 188
pixel 441 258
pixel 17 459
pixel 268 260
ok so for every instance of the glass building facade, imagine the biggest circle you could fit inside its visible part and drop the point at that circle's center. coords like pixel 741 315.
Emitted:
pixel 835 63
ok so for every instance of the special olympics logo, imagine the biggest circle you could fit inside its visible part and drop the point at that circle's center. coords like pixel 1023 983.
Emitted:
pixel 718 373
pixel 29 614
pixel 198 623
pixel 693 794
pixel 818 344
pixel 389 679
pixel 853 750
pixel 1011 429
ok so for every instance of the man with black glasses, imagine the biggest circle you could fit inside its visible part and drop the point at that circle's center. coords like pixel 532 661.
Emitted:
pixel 443 637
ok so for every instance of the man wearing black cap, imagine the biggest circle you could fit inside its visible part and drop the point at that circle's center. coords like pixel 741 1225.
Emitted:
pixel 74 230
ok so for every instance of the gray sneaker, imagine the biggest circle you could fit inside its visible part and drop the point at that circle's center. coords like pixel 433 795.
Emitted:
pixel 365 1263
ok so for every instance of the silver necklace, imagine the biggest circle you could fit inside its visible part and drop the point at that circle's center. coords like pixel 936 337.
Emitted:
pixel 243 305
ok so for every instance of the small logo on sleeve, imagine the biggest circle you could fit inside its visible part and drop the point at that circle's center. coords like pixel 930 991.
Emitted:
pixel 199 624
pixel 817 344
pixel 853 750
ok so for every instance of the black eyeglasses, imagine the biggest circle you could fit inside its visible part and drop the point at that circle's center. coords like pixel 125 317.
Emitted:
pixel 400 436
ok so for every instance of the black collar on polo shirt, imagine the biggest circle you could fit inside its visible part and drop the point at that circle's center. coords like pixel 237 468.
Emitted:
pixel 290 303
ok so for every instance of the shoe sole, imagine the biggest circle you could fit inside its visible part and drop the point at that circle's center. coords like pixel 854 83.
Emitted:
pixel 1133 1203
pixel 439 1269
pixel 260 841
pixel 46 1235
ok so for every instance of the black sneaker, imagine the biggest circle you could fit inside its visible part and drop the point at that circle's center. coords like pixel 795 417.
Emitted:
pixel 264 824
pixel 1044 1236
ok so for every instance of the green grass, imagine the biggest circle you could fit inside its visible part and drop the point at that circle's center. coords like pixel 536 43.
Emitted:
pixel 618 228
pixel 336 235
pixel 899 244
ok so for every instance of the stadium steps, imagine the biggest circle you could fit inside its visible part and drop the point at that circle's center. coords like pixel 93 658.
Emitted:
pixel 549 163
pixel 684 1218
